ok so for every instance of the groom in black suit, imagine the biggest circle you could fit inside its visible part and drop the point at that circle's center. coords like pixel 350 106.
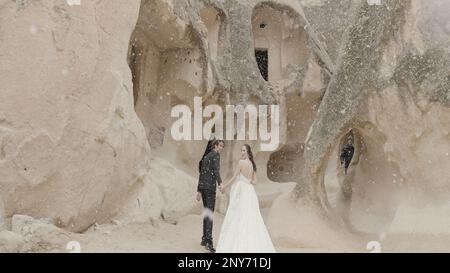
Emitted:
pixel 209 167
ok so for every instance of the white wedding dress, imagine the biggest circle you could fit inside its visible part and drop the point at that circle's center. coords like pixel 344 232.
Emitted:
pixel 243 229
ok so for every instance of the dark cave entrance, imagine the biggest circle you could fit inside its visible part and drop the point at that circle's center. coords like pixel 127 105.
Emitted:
pixel 262 58
pixel 134 58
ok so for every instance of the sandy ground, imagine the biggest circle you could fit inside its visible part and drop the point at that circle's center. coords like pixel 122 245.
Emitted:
pixel 161 236
pixel 184 236
pixel 414 231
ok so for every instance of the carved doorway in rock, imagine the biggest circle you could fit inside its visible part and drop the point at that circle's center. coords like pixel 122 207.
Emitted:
pixel 262 58
pixel 367 196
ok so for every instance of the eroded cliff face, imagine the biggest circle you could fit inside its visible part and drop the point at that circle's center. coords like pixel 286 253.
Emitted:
pixel 391 89
pixel 87 93
pixel 71 143
pixel 208 49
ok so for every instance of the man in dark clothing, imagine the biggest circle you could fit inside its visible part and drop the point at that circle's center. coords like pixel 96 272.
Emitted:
pixel 206 190
pixel 347 154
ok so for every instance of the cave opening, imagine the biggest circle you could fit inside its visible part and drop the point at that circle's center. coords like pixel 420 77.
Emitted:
pixel 366 195
pixel 166 72
pixel 262 58
pixel 133 62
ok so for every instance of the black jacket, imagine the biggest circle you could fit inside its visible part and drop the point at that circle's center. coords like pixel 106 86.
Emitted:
pixel 209 172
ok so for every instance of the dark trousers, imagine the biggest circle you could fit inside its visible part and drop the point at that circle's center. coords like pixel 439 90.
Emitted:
pixel 209 202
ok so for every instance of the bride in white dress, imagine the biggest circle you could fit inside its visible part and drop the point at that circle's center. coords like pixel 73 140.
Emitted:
pixel 243 229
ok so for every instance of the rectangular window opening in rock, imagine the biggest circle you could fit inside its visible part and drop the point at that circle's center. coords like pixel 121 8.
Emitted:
pixel 262 58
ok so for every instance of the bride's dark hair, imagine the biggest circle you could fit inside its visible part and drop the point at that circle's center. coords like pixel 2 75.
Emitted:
pixel 250 156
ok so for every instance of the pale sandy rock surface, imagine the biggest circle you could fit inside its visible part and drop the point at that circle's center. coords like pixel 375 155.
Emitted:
pixel 11 242
pixel 66 113
pixel 85 126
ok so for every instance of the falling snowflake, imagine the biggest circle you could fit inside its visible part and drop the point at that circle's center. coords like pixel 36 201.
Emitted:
pixel 33 29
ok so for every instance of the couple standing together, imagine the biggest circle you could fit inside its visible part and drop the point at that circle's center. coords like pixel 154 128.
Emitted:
pixel 243 229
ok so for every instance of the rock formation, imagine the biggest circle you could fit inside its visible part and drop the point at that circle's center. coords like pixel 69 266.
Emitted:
pixel 88 88
pixel 391 88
